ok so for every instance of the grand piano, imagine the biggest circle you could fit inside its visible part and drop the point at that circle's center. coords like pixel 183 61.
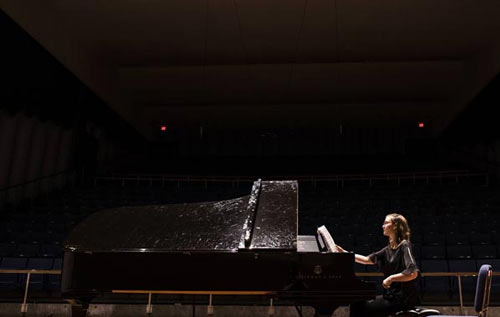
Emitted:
pixel 242 246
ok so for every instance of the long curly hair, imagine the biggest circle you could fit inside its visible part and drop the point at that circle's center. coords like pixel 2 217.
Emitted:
pixel 402 229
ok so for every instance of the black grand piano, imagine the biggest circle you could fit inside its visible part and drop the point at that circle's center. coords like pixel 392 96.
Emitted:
pixel 243 245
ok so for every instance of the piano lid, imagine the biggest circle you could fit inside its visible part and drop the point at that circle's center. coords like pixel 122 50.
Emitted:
pixel 276 221
pixel 268 216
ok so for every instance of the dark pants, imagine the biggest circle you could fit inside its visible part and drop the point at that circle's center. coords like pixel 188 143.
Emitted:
pixel 378 307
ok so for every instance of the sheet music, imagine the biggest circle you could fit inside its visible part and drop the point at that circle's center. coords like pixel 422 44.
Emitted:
pixel 327 238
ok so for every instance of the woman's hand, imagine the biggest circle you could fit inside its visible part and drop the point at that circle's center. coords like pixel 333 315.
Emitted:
pixel 340 249
pixel 399 277
pixel 386 283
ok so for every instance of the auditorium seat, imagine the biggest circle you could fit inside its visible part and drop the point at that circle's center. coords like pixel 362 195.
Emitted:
pixel 377 279
pixel 433 252
pixel 37 280
pixel 345 241
pixel 457 238
pixel 495 286
pixel 458 252
pixel 468 283
pixel 55 238
pixel 365 239
pixel 435 284
pixel 38 237
pixel 359 267
pixel 434 238
pixel 4 235
pixel 54 281
pixel 482 291
pixel 27 250
pixel 11 281
pixel 417 252
pixel 15 232
pixel 484 251
pixel 495 237
pixel 432 227
pixel 7 249
pixel 480 238
pixel 472 226
pixel 416 238
pixel 491 226
pixel 449 227
pixel 363 250
pixel 36 227
pixel 56 226
pixel 50 250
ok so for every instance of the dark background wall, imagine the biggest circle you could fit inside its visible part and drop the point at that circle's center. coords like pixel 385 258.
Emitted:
pixel 50 122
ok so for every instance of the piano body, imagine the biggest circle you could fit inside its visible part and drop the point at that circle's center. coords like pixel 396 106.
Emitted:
pixel 248 244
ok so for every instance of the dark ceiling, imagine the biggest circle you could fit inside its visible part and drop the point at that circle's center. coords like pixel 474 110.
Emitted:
pixel 273 63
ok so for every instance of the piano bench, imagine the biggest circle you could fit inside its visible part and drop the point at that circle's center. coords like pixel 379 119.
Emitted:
pixel 421 312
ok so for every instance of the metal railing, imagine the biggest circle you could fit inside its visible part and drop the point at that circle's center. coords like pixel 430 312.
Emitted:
pixel 149 307
pixel 340 179
pixel 19 191
pixel 24 306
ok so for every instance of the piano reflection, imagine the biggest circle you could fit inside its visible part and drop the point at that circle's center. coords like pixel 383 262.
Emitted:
pixel 238 246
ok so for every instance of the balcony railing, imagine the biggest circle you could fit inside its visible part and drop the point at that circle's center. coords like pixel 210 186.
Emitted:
pixel 339 179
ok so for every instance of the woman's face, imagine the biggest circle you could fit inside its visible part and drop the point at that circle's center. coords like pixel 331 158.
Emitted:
pixel 388 226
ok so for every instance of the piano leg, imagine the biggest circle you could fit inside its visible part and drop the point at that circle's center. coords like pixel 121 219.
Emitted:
pixel 79 308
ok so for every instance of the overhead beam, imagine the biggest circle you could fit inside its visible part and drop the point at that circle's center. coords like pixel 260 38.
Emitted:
pixel 296 115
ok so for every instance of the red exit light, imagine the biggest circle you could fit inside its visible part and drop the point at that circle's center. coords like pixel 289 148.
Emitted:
pixel 420 124
pixel 163 128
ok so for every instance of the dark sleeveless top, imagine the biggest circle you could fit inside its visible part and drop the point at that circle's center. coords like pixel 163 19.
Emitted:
pixel 400 260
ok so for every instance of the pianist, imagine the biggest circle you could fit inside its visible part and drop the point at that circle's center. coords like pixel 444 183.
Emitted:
pixel 400 270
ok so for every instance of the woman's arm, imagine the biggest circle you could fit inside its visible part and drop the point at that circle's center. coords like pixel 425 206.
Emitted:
pixel 399 277
pixel 361 259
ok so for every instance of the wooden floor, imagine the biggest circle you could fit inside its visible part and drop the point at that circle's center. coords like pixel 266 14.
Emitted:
pixel 123 310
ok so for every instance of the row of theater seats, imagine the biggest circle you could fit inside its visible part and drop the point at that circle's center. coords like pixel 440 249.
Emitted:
pixel 29 250
pixel 458 220
pixel 454 252
pixel 372 221
pixel 452 224
pixel 486 234
pixel 38 282
pixel 433 245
